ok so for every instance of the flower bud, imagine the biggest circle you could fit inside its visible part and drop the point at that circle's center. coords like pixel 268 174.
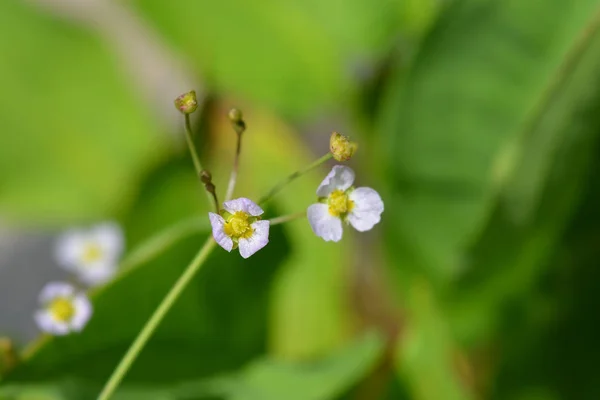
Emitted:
pixel 237 120
pixel 205 176
pixel 341 147
pixel 187 102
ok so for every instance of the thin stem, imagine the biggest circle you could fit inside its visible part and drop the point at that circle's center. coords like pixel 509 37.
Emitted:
pixel 234 171
pixel 193 152
pixel 277 188
pixel 190 143
pixel 141 254
pixel 286 218
pixel 158 315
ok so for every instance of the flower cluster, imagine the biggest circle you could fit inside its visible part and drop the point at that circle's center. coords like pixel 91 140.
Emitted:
pixel 92 256
pixel 238 223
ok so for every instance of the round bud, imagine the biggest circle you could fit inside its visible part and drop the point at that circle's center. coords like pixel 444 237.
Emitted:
pixel 235 116
pixel 205 176
pixel 341 147
pixel 187 102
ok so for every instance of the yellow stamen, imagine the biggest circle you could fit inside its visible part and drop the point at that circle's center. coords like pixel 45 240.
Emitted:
pixel 339 203
pixel 61 309
pixel 91 253
pixel 238 226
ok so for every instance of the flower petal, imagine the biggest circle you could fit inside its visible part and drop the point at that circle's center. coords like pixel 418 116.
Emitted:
pixel 323 223
pixel 69 248
pixel 48 324
pixel 243 204
pixel 217 222
pixel 83 312
pixel 109 237
pixel 340 177
pixel 258 240
pixel 367 210
pixel 53 290
pixel 97 273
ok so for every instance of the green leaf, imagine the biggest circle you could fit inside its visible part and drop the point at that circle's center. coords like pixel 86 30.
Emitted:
pixel 296 65
pixel 426 354
pixel 488 83
pixel 319 380
pixel 75 138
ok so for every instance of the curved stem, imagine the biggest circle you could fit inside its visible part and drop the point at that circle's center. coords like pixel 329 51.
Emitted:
pixel 286 218
pixel 156 318
pixel 194 153
pixel 277 188
pixel 234 171
pixel 141 254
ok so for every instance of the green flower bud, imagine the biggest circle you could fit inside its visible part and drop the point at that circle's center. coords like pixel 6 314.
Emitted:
pixel 341 147
pixel 187 102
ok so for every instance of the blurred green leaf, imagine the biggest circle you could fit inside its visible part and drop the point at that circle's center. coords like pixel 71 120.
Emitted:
pixel 75 138
pixel 426 355
pixel 490 80
pixel 294 56
pixel 319 380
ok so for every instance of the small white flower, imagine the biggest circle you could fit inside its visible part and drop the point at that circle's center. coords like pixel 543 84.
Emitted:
pixel 340 201
pixel 240 226
pixel 64 310
pixel 91 254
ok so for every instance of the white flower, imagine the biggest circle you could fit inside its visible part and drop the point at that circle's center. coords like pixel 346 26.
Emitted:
pixel 91 254
pixel 340 201
pixel 64 310
pixel 240 226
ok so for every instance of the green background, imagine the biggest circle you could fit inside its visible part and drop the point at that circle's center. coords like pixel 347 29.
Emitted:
pixel 477 121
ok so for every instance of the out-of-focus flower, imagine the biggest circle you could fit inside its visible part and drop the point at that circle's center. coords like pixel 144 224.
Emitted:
pixel 340 201
pixel 239 225
pixel 91 254
pixel 341 147
pixel 64 309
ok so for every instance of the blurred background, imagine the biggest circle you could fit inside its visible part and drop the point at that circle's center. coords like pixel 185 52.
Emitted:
pixel 478 122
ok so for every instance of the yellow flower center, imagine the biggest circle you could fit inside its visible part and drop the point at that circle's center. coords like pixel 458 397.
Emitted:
pixel 91 253
pixel 61 309
pixel 339 203
pixel 238 226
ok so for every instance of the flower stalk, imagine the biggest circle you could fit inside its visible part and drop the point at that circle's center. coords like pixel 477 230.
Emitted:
pixel 237 120
pixel 277 188
pixel 155 320
pixel 287 218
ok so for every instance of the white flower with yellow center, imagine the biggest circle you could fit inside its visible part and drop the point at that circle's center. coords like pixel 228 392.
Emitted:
pixel 92 254
pixel 239 225
pixel 340 202
pixel 64 310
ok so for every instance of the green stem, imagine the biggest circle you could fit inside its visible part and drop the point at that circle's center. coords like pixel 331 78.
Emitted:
pixel 148 329
pixel 141 254
pixel 277 188
pixel 194 153
pixel 234 171
pixel 287 218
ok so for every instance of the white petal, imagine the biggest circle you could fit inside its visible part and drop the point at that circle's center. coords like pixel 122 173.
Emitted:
pixel 53 290
pixel 69 248
pixel 258 240
pixel 323 223
pixel 83 312
pixel 97 273
pixel 367 210
pixel 48 324
pixel 243 204
pixel 217 222
pixel 109 237
pixel 340 177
